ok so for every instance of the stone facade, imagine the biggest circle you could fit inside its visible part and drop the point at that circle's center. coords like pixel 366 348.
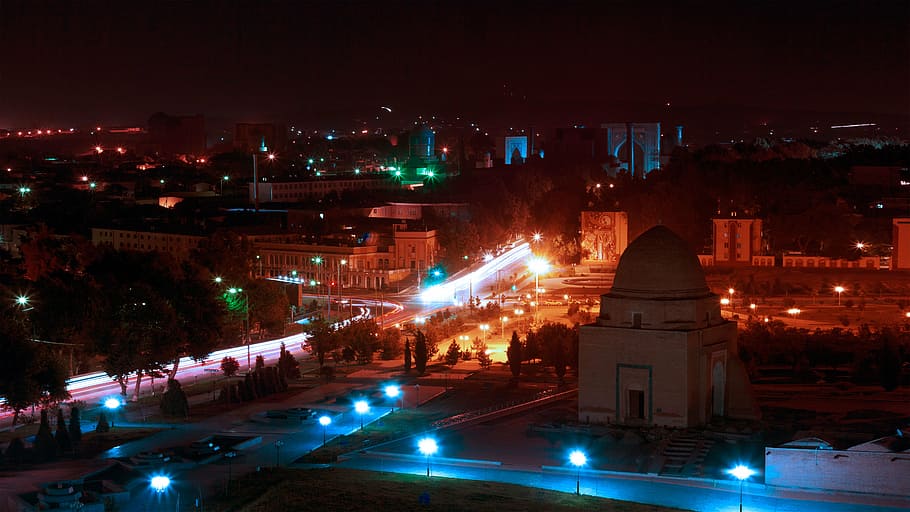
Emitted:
pixel 660 353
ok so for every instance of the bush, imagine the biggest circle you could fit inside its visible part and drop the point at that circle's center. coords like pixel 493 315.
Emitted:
pixel 103 425
pixel 174 401
pixel 45 445
pixel 229 366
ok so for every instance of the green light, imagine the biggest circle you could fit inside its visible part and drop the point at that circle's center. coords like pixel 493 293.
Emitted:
pixel 397 173
pixel 430 174
pixel 309 161
pixel 318 174
pixel 92 185
pixel 294 273
pixel 312 282
pixel 317 260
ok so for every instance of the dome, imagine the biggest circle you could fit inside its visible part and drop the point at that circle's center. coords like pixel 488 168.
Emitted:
pixel 659 265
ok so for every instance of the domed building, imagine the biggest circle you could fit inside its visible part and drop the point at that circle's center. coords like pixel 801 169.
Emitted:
pixel 660 353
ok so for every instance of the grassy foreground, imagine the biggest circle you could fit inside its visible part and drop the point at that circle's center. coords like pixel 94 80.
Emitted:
pixel 354 490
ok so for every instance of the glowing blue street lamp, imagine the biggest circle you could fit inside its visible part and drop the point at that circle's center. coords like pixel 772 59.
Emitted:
pixel 393 391
pixel 112 404
pixel 428 447
pixel 325 421
pixel 160 483
pixel 362 407
pixel 742 473
pixel 578 459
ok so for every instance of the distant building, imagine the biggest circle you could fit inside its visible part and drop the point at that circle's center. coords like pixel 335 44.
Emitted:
pixel 416 211
pixel 736 240
pixel 297 191
pixel 660 353
pixel 382 260
pixel 249 136
pixel 900 256
pixel 609 143
pixel 178 245
pixel 604 236
pixel 516 150
pixel 177 135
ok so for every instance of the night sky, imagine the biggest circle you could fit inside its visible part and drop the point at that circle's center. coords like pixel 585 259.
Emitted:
pixel 81 62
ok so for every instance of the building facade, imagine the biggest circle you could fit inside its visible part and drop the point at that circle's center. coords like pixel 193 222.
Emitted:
pixel 604 236
pixel 298 191
pixel 180 246
pixel 660 353
pixel 900 257
pixel 736 240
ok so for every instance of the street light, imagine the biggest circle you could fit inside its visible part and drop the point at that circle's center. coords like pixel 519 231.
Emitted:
pixel 838 290
pixel 484 328
pixel 160 483
pixel 112 404
pixel 223 179
pixel 325 421
pixel 578 459
pixel 246 323
pixel 278 445
pixel 427 447
pixel 537 265
pixel 393 391
pixel 362 407
pixel 742 473
pixel 730 291
pixel 502 327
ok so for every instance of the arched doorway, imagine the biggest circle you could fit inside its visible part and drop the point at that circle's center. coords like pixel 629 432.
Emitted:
pixel 622 154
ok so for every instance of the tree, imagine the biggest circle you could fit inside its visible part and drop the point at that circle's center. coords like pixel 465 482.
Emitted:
pixel 260 362
pixel 75 427
pixel 453 354
pixel 390 344
pixel 323 340
pixel 102 425
pixel 407 356
pixel 29 371
pixel 514 355
pixel 361 337
pixel 229 366
pixel 288 367
pixel 174 401
pixel 45 445
pixel 420 352
pixel 62 436
pixel 482 357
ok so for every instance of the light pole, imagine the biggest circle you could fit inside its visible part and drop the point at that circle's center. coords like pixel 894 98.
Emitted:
pixel 578 459
pixel 485 328
pixel 246 323
pixel 362 407
pixel 112 404
pixel 839 290
pixel 223 179
pixel 230 457
pixel 393 391
pixel 325 421
pixel 341 263
pixel 730 291
pixel 427 447
pixel 537 265
pixel 502 327
pixel 278 445
pixel 742 473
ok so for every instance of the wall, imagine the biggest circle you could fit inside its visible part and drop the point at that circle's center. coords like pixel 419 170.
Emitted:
pixel 839 470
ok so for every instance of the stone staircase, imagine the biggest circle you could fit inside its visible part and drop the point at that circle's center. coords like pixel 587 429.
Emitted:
pixel 684 455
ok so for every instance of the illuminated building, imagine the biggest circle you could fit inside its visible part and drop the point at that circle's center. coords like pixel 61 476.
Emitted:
pixel 660 353
pixel 736 240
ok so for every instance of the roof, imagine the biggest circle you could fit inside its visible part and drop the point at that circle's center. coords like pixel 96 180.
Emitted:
pixel 659 265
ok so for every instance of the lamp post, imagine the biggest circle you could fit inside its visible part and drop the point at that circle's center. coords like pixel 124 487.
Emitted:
pixel 485 328
pixel 341 263
pixel 112 404
pixel 502 327
pixel 230 457
pixel 393 391
pixel 427 447
pixel 537 265
pixel 278 445
pixel 362 407
pixel 578 459
pixel 325 421
pixel 223 179
pixel 838 290
pixel 730 291
pixel 246 323
pixel 742 473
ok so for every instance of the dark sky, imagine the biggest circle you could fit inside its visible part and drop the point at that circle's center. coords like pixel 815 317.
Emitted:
pixel 80 62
